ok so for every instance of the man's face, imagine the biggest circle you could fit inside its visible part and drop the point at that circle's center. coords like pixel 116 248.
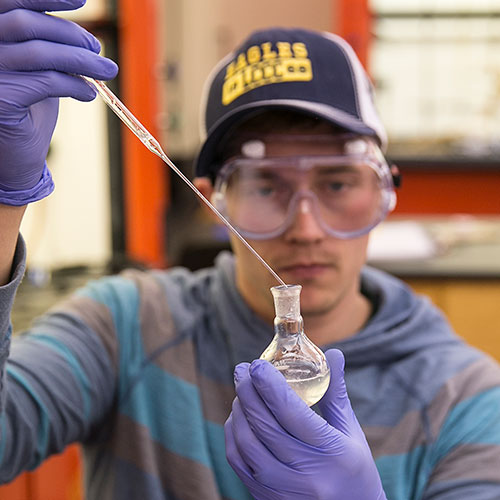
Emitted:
pixel 326 267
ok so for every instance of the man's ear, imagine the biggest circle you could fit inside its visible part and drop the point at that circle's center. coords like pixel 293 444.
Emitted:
pixel 206 188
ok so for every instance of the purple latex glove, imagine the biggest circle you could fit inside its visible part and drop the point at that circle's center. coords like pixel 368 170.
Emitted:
pixel 39 56
pixel 283 450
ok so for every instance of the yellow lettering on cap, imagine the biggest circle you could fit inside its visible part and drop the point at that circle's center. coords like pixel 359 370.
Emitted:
pixel 268 71
pixel 267 53
pixel 253 54
pixel 247 78
pixel 241 62
pixel 257 75
pixel 260 66
pixel 231 67
pixel 300 50
pixel 284 49
pixel 296 70
pixel 232 89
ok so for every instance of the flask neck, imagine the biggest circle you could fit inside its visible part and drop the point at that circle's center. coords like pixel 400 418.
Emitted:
pixel 286 326
pixel 287 301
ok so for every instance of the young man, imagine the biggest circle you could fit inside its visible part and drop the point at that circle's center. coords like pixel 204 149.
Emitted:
pixel 140 368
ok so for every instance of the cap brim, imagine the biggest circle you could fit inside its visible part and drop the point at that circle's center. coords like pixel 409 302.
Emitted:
pixel 205 164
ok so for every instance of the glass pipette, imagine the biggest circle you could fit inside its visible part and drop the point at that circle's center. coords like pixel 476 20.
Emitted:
pixel 153 145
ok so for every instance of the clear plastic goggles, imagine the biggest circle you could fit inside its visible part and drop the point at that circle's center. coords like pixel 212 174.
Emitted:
pixel 348 194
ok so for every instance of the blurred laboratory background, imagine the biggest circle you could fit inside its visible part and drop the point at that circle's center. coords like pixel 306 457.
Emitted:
pixel 435 65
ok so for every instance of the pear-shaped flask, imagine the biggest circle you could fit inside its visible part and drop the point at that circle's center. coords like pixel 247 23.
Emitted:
pixel 302 364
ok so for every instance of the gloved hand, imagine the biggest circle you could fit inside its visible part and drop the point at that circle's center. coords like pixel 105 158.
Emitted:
pixel 40 55
pixel 283 450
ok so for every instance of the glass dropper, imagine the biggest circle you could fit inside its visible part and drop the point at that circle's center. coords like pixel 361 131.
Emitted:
pixel 302 364
pixel 128 118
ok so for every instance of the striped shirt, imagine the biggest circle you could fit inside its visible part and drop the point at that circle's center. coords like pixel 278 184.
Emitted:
pixel 138 368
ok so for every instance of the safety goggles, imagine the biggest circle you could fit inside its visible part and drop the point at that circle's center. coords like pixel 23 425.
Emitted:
pixel 348 193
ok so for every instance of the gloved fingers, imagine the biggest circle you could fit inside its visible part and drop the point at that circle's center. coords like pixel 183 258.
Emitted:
pixel 285 447
pixel 252 408
pixel 292 414
pixel 261 465
pixel 23 25
pixel 40 5
pixel 40 55
pixel 258 491
pixel 233 456
pixel 258 458
pixel 335 405
pixel 20 92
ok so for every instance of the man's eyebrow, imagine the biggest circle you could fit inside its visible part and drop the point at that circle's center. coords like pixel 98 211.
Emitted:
pixel 262 173
pixel 350 169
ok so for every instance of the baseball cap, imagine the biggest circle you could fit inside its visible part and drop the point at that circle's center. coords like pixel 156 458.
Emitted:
pixel 315 73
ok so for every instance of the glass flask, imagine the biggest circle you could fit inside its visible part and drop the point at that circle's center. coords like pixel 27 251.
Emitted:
pixel 302 364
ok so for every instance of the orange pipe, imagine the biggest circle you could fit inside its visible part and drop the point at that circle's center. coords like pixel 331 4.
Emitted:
pixel 145 185
pixel 144 175
pixel 353 22
pixel 58 478
pixel 16 490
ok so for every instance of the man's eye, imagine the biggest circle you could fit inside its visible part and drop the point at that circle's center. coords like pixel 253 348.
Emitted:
pixel 337 186
pixel 258 190
pixel 266 191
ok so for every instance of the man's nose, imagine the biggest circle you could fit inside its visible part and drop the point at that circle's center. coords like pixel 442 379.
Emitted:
pixel 305 226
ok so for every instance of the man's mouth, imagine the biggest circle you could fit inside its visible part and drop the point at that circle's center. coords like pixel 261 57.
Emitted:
pixel 304 270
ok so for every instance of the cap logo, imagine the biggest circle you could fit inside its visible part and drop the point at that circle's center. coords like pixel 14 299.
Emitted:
pixel 265 64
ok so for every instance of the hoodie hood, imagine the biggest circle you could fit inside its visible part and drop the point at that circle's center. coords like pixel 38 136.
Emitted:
pixel 402 324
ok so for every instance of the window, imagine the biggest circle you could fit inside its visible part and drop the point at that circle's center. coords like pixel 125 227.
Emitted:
pixel 436 68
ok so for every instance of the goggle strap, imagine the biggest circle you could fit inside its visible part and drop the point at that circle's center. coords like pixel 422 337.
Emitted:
pixel 396 174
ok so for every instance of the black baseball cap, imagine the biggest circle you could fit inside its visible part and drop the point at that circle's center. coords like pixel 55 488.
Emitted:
pixel 315 73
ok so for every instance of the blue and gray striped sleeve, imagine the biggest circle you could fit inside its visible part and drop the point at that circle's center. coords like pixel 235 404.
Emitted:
pixel 59 381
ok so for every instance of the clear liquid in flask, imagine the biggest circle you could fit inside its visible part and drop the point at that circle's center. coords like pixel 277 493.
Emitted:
pixel 302 363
